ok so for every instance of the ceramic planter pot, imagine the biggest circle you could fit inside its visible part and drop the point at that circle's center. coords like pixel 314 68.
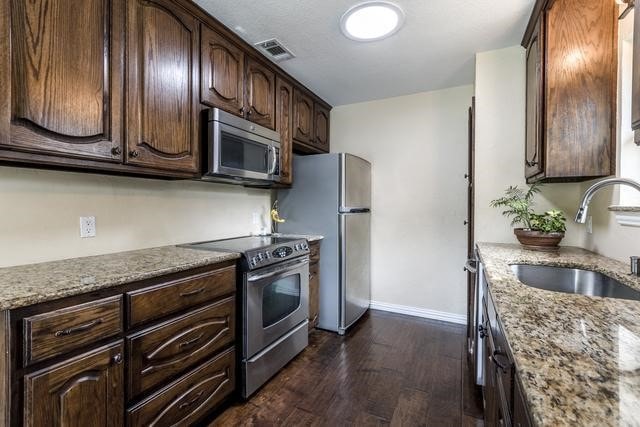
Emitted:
pixel 537 240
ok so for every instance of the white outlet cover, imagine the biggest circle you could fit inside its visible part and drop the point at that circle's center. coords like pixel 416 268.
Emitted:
pixel 87 226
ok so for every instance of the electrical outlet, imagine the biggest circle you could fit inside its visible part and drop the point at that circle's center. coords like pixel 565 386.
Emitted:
pixel 87 226
pixel 589 224
pixel 257 220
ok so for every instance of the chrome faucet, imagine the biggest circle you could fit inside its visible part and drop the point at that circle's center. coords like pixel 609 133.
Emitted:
pixel 581 215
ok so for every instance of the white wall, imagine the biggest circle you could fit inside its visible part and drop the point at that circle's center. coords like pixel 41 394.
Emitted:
pixel 40 210
pixel 500 132
pixel 417 145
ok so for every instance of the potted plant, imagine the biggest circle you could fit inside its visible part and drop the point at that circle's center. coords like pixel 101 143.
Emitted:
pixel 539 231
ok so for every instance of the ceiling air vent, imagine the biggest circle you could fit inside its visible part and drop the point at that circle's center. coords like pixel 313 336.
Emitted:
pixel 275 50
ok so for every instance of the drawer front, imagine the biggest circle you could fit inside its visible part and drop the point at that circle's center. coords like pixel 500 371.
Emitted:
pixel 51 334
pixel 167 298
pixel 186 400
pixel 314 251
pixel 162 352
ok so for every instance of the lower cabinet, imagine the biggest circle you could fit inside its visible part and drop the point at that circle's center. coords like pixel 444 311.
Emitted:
pixel 504 400
pixel 314 284
pixel 87 390
pixel 174 365
pixel 190 397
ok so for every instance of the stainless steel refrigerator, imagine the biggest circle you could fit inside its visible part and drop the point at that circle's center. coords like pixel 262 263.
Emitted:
pixel 331 196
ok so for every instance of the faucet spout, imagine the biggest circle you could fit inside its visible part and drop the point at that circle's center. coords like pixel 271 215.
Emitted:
pixel 583 209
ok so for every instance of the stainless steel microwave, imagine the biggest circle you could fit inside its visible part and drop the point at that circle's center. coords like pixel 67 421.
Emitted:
pixel 240 151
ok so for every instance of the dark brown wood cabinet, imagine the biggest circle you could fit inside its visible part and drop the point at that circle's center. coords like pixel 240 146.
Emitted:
pixel 221 72
pixel 61 78
pixel 571 67
pixel 314 284
pixel 87 390
pixel 284 126
pixel 302 117
pixel 635 86
pixel 321 127
pixel 260 94
pixel 78 361
pixel 162 83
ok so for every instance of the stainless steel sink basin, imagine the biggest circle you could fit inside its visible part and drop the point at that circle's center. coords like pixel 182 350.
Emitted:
pixel 573 281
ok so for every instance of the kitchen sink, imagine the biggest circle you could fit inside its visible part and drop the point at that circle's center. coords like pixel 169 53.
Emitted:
pixel 573 281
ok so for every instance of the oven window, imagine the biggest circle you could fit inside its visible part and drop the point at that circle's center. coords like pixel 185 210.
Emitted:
pixel 240 153
pixel 279 299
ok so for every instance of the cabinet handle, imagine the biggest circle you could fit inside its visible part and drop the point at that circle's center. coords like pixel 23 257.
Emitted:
pixel 248 111
pixel 241 110
pixel 190 342
pixel 192 401
pixel 117 359
pixel 76 329
pixel 465 222
pixel 311 276
pixel 466 176
pixel 134 153
pixel 504 366
pixel 191 293
pixel 116 151
pixel 531 163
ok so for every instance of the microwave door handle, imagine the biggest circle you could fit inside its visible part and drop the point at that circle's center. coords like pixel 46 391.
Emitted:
pixel 274 159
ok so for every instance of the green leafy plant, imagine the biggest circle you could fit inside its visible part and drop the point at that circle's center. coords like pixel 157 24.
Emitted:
pixel 518 205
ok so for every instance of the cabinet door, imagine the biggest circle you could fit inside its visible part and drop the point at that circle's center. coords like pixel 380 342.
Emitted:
pixel 321 127
pixel 162 54
pixel 314 294
pixel 284 126
pixel 520 412
pixel 302 117
pixel 261 93
pixel 85 391
pixel 222 73
pixel 489 390
pixel 534 154
pixel 635 91
pixel 62 79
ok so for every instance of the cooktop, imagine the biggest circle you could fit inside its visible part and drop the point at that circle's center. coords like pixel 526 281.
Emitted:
pixel 257 251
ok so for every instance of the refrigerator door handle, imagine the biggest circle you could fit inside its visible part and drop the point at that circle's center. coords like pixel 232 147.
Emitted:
pixel 354 210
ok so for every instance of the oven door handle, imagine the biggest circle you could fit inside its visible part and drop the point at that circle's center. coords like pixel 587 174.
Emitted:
pixel 274 272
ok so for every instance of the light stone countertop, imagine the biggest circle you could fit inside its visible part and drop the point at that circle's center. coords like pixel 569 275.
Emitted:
pixel 34 283
pixel 578 357
pixel 617 208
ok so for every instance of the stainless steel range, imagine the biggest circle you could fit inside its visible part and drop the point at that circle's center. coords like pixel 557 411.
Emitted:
pixel 274 290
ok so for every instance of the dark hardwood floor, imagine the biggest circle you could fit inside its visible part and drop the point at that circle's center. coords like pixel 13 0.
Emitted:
pixel 388 370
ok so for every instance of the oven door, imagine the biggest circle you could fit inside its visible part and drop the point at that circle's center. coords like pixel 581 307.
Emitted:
pixel 238 153
pixel 276 301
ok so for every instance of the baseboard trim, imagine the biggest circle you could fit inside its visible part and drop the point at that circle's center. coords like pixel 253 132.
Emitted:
pixel 420 312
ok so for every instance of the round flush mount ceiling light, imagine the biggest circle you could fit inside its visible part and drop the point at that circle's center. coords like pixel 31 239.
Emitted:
pixel 372 20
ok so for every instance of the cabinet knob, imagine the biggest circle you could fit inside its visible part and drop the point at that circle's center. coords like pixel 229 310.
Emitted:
pixel 134 153
pixel 241 110
pixel 248 111
pixel 465 222
pixel 531 164
pixel 116 151
pixel 466 176
pixel 117 359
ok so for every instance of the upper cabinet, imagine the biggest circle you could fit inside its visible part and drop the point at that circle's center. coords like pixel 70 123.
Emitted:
pixel 571 64
pixel 61 78
pixel 121 86
pixel 221 73
pixel 284 126
pixel 302 117
pixel 321 127
pixel 261 94
pixel 162 70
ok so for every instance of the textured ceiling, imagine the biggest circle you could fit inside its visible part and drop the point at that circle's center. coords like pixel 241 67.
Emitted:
pixel 434 49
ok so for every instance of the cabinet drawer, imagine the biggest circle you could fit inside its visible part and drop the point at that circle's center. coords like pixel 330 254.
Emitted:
pixel 56 332
pixel 162 352
pixel 186 400
pixel 314 252
pixel 167 298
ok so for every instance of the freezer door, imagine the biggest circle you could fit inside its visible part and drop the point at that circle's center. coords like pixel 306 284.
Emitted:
pixel 355 183
pixel 355 264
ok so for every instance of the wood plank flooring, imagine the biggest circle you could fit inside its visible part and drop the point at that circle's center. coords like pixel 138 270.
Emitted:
pixel 388 370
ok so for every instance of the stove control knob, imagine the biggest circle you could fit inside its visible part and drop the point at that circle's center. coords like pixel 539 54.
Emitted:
pixel 260 257
pixel 297 247
pixel 254 260
pixel 267 255
pixel 305 246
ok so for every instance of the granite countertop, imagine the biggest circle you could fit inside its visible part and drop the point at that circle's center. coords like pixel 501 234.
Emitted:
pixel 310 237
pixel 578 357
pixel 34 283
pixel 617 208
